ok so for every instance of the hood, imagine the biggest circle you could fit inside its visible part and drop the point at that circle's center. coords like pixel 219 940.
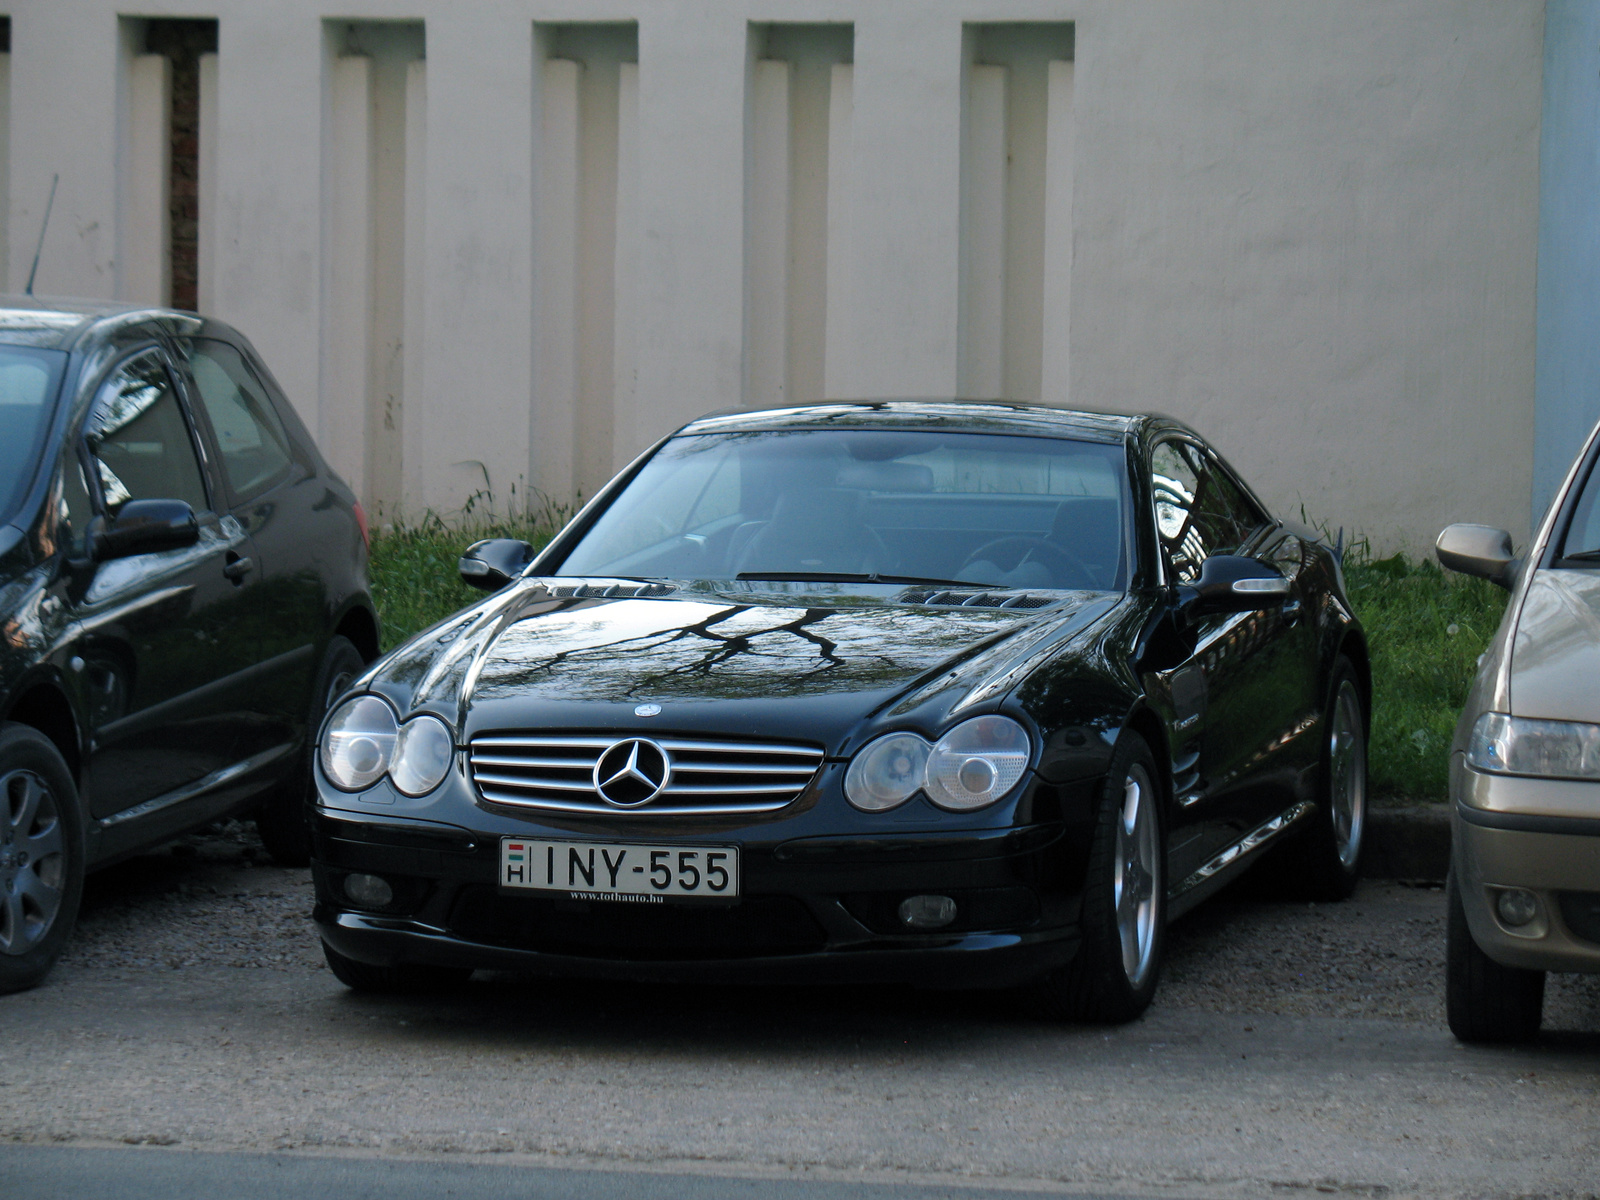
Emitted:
pixel 803 667
pixel 1555 655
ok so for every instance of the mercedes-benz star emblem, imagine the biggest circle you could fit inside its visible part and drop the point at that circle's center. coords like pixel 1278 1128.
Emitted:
pixel 647 710
pixel 632 773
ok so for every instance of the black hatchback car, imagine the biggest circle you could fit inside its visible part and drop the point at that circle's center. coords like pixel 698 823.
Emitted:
pixel 182 591
pixel 971 695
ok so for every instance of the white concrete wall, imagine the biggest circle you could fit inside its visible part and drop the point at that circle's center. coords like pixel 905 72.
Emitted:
pixel 1308 228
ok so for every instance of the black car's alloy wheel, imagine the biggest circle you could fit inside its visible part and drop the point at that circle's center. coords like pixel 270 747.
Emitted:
pixel 282 819
pixel 1484 1001
pixel 1323 861
pixel 401 979
pixel 1114 975
pixel 41 856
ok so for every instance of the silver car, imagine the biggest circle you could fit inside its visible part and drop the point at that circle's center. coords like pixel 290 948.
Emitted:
pixel 1524 890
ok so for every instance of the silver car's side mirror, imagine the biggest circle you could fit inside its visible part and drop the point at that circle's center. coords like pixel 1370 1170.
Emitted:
pixel 1480 550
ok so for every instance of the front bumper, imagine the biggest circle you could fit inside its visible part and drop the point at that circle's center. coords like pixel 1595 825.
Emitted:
pixel 813 910
pixel 1540 835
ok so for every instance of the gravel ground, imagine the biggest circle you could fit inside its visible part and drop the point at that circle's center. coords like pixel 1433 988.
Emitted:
pixel 216 900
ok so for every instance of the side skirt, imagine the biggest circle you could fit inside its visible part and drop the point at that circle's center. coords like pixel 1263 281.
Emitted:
pixel 1190 891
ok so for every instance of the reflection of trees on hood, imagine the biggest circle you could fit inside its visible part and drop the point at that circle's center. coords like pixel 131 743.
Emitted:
pixel 728 651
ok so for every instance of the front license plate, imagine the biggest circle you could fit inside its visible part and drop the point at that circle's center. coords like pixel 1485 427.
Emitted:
pixel 628 872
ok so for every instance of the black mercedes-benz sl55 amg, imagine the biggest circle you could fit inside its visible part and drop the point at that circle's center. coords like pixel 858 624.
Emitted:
pixel 958 694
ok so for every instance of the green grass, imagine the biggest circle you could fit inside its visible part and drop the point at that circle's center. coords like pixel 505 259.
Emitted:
pixel 1426 628
pixel 1426 631
pixel 414 577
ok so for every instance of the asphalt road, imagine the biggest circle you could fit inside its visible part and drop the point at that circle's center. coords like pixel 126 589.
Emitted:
pixel 1294 1050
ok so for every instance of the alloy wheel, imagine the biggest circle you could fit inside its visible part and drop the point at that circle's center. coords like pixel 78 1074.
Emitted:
pixel 32 862
pixel 1137 877
pixel 1347 775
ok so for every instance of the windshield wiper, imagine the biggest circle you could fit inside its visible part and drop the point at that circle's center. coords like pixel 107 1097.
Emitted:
pixel 1582 556
pixel 848 577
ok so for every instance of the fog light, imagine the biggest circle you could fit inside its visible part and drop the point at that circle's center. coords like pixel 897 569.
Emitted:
pixel 1517 907
pixel 369 891
pixel 927 912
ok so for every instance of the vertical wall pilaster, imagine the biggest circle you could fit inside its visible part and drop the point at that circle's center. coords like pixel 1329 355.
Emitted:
pixel 691 176
pixel 5 164
pixel 206 252
pixel 766 236
pixel 1056 307
pixel 983 235
pixel 559 170
pixel 907 269
pixel 472 402
pixel 627 416
pixel 143 227
pixel 838 335
pixel 347 278
pixel 413 337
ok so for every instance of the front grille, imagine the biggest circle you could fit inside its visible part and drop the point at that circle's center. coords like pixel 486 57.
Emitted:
pixel 952 598
pixel 757 926
pixel 555 773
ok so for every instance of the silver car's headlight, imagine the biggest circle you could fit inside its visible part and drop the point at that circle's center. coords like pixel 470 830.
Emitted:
pixel 364 741
pixel 422 755
pixel 971 766
pixel 1507 745
pixel 976 763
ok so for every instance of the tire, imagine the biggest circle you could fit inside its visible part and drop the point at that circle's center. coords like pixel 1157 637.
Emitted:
pixel 41 856
pixel 1114 975
pixel 1324 861
pixel 402 979
pixel 1484 1001
pixel 283 820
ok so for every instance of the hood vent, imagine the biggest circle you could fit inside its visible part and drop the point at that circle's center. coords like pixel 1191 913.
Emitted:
pixel 952 598
pixel 608 591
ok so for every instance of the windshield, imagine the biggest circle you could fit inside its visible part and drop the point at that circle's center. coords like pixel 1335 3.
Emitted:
pixel 29 379
pixel 993 510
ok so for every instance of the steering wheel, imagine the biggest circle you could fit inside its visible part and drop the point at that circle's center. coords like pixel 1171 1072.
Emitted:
pixel 1069 570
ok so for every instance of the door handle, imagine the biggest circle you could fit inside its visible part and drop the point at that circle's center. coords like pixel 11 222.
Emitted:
pixel 1291 611
pixel 237 567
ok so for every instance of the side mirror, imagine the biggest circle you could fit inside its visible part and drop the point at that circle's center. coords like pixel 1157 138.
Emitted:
pixel 495 562
pixel 1480 550
pixel 1231 583
pixel 143 527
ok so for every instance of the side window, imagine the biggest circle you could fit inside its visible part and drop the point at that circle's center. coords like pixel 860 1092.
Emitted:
pixel 1199 510
pixel 255 450
pixel 140 439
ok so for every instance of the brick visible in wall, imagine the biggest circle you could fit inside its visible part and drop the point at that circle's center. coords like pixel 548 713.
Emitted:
pixel 184 41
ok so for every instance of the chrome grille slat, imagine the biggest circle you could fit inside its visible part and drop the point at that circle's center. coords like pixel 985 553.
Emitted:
pixel 710 776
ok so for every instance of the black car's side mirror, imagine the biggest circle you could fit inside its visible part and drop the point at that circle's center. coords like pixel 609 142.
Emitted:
pixel 1232 583
pixel 143 527
pixel 494 562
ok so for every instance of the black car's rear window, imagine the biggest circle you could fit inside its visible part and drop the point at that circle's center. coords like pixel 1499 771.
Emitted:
pixel 989 509
pixel 29 381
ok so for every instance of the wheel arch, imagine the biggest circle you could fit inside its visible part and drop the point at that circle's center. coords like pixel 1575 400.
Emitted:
pixel 42 705
pixel 360 624
pixel 1354 647
pixel 1144 721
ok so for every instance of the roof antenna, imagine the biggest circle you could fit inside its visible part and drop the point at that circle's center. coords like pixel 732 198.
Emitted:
pixel 45 224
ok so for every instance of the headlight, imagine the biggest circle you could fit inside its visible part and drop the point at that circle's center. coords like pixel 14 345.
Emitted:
pixel 422 755
pixel 1506 745
pixel 976 763
pixel 363 742
pixel 359 743
pixel 973 765
pixel 886 773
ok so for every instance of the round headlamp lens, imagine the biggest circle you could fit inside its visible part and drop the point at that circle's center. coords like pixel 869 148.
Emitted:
pixel 359 743
pixel 422 754
pixel 976 763
pixel 887 773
